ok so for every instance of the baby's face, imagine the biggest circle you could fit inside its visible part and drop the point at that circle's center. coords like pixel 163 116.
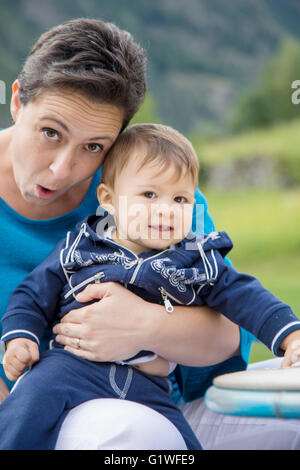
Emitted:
pixel 152 209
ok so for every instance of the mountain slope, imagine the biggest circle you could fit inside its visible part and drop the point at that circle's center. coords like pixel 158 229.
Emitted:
pixel 202 53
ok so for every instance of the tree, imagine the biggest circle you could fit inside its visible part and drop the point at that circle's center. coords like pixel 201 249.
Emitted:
pixel 270 100
pixel 147 112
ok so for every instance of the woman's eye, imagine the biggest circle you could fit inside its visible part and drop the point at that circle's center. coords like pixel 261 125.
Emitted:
pixel 51 134
pixel 180 199
pixel 93 148
pixel 149 194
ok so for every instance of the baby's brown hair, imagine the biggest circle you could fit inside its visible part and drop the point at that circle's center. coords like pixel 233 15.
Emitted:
pixel 158 143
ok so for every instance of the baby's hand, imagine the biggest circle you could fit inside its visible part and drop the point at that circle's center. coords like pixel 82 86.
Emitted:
pixel 292 354
pixel 20 353
pixel 291 346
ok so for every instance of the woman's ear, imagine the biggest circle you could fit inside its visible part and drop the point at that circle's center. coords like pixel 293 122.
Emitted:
pixel 15 104
pixel 105 198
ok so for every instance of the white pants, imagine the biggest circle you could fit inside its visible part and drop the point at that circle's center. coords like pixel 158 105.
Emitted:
pixel 111 424
pixel 120 424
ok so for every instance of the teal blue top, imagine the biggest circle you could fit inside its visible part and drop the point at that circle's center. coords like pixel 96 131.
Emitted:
pixel 25 243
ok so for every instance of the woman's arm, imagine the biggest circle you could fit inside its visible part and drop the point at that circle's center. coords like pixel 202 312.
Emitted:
pixel 121 324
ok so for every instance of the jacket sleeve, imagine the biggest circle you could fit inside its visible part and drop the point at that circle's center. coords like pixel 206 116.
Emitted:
pixel 243 299
pixel 33 305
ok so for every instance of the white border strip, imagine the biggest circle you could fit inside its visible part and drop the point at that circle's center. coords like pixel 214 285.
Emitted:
pixel 21 331
pixel 282 331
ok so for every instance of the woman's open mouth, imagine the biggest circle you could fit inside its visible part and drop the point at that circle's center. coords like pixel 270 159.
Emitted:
pixel 44 193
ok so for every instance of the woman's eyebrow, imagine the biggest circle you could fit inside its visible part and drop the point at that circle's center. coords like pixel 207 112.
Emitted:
pixel 60 123
pixel 101 137
pixel 65 127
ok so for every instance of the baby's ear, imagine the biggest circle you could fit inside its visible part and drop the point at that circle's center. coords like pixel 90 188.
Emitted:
pixel 105 198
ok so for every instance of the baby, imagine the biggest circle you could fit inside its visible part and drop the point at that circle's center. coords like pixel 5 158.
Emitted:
pixel 143 241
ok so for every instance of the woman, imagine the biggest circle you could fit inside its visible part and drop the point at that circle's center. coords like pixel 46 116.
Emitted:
pixel 80 86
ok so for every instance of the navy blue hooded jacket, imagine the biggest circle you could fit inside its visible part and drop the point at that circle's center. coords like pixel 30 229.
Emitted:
pixel 191 273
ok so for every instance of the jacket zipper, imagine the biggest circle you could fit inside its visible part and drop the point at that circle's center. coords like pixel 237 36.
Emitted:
pixel 137 261
pixel 165 296
pixel 70 254
pixel 96 278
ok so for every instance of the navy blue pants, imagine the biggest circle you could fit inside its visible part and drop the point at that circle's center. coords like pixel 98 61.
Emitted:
pixel 32 415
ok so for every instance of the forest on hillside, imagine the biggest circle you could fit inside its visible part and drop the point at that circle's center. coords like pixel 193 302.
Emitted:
pixel 203 54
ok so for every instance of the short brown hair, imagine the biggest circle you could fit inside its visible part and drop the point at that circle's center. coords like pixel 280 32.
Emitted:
pixel 158 143
pixel 88 56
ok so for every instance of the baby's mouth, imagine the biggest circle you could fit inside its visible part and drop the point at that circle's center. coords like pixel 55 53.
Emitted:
pixel 161 228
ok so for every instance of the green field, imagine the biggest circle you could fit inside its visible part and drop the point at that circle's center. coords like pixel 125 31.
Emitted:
pixel 265 229
pixel 279 141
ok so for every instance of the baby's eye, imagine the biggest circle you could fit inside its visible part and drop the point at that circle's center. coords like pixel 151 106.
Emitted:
pixel 180 199
pixel 149 194
pixel 93 148
pixel 51 134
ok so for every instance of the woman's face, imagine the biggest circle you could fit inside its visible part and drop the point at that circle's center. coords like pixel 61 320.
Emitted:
pixel 59 141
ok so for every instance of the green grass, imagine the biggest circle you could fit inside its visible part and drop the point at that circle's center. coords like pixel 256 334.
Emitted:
pixel 265 229
pixel 262 224
pixel 278 140
pixel 282 276
pixel 259 352
pixel 279 143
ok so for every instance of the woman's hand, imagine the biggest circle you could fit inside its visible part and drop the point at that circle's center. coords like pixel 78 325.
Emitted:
pixel 4 392
pixel 121 324
pixel 112 329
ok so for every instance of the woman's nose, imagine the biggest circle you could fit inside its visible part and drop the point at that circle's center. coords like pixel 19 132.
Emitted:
pixel 62 165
